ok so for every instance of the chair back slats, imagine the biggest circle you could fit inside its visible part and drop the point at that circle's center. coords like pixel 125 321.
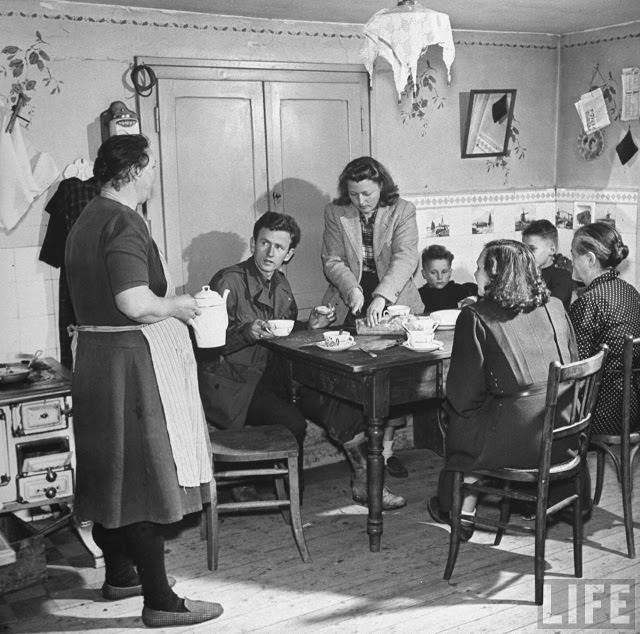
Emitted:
pixel 582 378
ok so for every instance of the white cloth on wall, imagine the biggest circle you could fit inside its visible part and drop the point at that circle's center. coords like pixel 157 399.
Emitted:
pixel 401 34
pixel 24 175
pixel 80 168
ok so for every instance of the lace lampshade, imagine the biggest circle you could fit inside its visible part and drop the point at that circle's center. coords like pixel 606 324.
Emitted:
pixel 401 35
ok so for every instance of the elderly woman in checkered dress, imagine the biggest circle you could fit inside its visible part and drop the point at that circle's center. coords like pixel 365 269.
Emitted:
pixel 608 310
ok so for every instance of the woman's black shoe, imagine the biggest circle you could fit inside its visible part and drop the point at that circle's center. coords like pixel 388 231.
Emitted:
pixel 444 517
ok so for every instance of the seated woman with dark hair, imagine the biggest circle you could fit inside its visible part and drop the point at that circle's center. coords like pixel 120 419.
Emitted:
pixel 441 292
pixel 608 310
pixel 496 386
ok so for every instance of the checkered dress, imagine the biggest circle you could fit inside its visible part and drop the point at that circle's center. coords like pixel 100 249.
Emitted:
pixel 608 310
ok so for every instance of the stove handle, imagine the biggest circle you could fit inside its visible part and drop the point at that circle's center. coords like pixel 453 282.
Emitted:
pixel 5 478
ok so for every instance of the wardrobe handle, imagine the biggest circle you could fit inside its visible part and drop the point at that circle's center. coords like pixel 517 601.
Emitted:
pixel 276 196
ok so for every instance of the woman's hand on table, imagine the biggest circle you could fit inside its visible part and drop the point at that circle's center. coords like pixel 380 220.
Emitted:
pixel 355 300
pixel 375 310
pixel 259 329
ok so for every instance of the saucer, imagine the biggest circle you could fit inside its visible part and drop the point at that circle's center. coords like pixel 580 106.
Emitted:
pixel 446 327
pixel 339 348
pixel 425 347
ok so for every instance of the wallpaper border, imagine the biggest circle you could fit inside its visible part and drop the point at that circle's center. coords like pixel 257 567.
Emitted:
pixel 244 26
pixel 550 194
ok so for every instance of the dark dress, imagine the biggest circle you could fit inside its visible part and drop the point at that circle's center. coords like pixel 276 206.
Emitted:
pixel 608 310
pixel 496 356
pixel 125 468
pixel 560 282
pixel 447 297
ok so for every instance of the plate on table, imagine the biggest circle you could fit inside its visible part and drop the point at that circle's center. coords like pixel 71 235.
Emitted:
pixel 447 318
pixel 430 346
pixel 339 348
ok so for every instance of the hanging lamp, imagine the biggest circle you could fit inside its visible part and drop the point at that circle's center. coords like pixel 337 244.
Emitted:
pixel 401 35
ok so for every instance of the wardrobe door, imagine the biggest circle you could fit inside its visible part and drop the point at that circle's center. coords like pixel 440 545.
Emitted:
pixel 313 130
pixel 213 174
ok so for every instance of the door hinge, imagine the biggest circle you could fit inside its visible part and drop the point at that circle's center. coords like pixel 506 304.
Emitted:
pixel 156 118
pixel 361 119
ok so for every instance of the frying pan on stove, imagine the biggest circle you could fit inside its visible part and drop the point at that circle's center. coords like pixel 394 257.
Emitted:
pixel 13 372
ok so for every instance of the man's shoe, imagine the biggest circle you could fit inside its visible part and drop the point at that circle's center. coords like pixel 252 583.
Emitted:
pixel 197 612
pixel 115 593
pixel 395 468
pixel 392 501
pixel 444 517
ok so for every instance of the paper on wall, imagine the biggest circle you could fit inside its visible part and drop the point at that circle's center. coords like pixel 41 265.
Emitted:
pixel 630 94
pixel 592 110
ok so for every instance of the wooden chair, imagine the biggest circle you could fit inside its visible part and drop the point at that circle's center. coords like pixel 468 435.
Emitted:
pixel 628 445
pixel 582 380
pixel 271 446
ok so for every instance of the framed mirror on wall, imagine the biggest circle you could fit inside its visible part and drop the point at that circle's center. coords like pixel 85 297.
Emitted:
pixel 487 128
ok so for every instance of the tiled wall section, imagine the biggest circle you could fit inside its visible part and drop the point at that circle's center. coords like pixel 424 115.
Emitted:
pixel 28 291
pixel 29 288
pixel 465 222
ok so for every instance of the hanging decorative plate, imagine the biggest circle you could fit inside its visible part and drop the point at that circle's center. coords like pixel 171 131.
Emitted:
pixel 590 146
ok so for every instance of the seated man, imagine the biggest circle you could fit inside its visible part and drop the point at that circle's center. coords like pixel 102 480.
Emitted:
pixel 241 383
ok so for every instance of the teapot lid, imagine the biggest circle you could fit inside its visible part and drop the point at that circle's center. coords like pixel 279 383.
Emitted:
pixel 207 297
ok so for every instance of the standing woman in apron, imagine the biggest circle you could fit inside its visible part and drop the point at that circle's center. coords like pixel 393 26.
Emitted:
pixel 141 439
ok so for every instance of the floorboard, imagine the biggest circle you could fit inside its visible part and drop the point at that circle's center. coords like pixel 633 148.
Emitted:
pixel 265 587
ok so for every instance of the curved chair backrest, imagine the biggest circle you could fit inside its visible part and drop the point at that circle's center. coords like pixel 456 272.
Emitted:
pixel 581 382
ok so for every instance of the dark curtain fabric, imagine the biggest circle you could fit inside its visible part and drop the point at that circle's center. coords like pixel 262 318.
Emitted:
pixel 64 208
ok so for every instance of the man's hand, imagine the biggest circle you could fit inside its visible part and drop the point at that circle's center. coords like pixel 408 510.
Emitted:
pixel 260 330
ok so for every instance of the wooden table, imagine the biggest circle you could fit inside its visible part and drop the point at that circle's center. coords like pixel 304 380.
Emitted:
pixel 396 376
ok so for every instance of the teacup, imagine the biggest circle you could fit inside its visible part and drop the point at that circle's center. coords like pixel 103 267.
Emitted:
pixel 323 310
pixel 396 310
pixel 421 323
pixel 335 338
pixel 280 327
pixel 416 338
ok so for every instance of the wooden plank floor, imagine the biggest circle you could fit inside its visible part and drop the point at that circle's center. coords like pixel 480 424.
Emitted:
pixel 264 586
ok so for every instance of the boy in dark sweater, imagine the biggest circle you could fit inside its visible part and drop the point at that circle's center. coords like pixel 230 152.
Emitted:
pixel 541 236
pixel 441 292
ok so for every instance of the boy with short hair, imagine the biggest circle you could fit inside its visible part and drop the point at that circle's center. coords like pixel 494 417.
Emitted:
pixel 541 236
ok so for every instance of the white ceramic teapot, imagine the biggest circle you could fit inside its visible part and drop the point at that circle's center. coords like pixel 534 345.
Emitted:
pixel 210 326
